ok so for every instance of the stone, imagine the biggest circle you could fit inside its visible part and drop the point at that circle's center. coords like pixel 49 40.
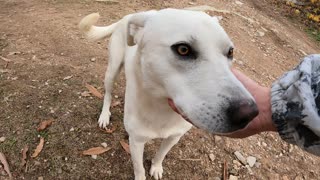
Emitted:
pixel 104 144
pixel 212 157
pixel 240 157
pixel 232 177
pixel 94 156
pixel 239 3
pixel 251 161
pixel 2 139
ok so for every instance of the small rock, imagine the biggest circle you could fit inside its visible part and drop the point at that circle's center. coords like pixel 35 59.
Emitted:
pixel 40 178
pixel 94 156
pixel 217 138
pixel 93 59
pixel 212 157
pixel 72 129
pixel 264 144
pixel 260 33
pixel 2 139
pixel 116 96
pixel 191 3
pixel 285 178
pixel 240 157
pixel 67 77
pixel 257 164
pixel 104 144
pixel 251 161
pixel 239 3
pixel 232 177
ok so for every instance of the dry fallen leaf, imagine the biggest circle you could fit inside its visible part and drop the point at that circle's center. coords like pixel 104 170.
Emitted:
pixel 94 91
pixel 4 161
pixel 115 103
pixel 125 146
pixel 39 148
pixel 44 124
pixel 24 155
pixel 111 130
pixel 95 151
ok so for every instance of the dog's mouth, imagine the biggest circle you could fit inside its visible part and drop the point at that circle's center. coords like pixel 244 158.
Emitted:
pixel 175 109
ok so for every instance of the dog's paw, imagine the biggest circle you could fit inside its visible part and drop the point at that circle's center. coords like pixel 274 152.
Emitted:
pixel 140 177
pixel 156 171
pixel 104 119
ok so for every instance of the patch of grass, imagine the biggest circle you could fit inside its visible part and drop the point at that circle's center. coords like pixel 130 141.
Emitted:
pixel 8 145
pixel 44 134
pixel 314 33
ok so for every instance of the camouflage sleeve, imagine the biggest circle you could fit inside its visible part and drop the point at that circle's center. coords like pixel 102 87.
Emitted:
pixel 295 100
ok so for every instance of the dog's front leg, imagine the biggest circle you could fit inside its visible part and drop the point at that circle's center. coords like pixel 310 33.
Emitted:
pixel 136 149
pixel 156 167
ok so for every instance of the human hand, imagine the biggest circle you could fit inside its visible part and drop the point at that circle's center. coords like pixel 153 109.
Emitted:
pixel 263 122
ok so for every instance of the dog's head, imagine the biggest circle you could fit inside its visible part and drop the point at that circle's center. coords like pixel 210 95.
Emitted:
pixel 185 56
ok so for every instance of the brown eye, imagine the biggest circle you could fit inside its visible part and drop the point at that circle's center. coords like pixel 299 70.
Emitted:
pixel 183 50
pixel 230 53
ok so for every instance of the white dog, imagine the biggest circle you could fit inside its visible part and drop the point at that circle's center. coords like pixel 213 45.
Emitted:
pixel 177 66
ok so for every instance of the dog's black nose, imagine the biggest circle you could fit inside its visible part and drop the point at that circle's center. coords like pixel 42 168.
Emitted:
pixel 241 112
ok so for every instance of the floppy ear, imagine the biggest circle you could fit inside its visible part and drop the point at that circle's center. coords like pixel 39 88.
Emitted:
pixel 135 25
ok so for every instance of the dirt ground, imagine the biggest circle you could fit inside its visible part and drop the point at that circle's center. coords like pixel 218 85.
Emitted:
pixel 46 64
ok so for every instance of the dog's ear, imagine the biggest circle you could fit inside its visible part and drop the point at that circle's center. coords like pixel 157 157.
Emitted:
pixel 135 25
pixel 217 18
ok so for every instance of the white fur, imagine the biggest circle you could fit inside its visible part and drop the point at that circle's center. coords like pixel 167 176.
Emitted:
pixel 154 73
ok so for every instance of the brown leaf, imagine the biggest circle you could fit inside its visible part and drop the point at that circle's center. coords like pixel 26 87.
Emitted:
pixel 44 124
pixel 95 151
pixel 4 161
pixel 39 148
pixel 94 91
pixel 24 155
pixel 125 146
pixel 111 130
pixel 115 103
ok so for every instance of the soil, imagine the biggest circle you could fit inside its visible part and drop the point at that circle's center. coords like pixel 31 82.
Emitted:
pixel 45 64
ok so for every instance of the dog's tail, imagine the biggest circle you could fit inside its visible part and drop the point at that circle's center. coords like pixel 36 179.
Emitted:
pixel 94 33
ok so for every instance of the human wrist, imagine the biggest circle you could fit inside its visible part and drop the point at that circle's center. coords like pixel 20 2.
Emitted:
pixel 266 112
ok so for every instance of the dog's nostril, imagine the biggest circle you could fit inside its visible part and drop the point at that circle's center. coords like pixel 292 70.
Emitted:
pixel 242 112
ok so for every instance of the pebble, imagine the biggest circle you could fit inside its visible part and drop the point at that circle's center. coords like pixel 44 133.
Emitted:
pixel 212 157
pixel 240 157
pixel 217 138
pixel 231 177
pixel 104 144
pixel 239 3
pixel 93 59
pixel 264 144
pixel 2 139
pixel 285 178
pixel 260 33
pixel 40 178
pixel 251 160
pixel 94 156
pixel 72 129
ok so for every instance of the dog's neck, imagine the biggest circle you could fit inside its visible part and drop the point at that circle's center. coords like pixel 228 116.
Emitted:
pixel 143 94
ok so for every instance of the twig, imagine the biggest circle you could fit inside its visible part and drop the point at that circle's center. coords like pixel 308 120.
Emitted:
pixel 5 59
pixel 225 170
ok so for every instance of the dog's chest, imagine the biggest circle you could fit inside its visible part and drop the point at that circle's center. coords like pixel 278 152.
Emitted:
pixel 152 122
